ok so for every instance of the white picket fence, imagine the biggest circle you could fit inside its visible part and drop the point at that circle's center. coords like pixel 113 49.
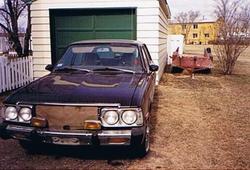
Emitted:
pixel 15 73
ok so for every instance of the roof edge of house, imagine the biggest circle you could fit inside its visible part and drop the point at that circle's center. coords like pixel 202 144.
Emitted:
pixel 165 7
pixel 197 22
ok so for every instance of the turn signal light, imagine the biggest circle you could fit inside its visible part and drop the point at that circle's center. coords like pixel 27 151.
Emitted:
pixel 39 122
pixel 118 140
pixel 92 125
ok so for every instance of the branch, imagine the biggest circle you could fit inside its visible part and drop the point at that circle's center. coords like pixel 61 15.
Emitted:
pixel 5 28
pixel 20 10
pixel 11 11
pixel 5 11
pixel 7 21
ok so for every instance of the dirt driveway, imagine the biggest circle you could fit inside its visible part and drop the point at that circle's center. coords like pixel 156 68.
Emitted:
pixel 199 124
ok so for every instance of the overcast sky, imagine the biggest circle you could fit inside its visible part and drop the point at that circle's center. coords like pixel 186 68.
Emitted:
pixel 206 7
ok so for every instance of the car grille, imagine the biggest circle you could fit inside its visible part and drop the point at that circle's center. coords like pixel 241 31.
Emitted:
pixel 66 117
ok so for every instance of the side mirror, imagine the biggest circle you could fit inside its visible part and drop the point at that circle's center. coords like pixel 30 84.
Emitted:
pixel 153 67
pixel 49 67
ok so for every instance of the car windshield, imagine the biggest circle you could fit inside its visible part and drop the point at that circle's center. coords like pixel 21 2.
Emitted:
pixel 101 57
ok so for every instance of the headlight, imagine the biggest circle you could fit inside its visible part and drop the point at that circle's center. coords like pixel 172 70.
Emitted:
pixel 122 117
pixel 11 113
pixel 129 117
pixel 111 117
pixel 25 114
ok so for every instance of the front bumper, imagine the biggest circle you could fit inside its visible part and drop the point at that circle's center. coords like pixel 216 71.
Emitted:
pixel 133 136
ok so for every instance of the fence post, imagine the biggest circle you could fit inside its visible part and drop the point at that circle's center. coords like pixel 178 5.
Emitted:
pixel 30 68
pixel 3 62
pixel 8 76
pixel 26 75
pixel 1 75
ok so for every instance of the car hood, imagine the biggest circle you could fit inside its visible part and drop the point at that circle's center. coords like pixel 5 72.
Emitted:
pixel 79 88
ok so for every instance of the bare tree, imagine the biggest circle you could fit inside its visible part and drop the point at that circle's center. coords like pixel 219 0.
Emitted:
pixel 10 13
pixel 187 19
pixel 234 33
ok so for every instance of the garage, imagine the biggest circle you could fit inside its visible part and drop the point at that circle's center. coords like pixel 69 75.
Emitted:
pixel 57 23
pixel 68 26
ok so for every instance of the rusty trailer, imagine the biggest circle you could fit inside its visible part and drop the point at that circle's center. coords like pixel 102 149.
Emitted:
pixel 192 62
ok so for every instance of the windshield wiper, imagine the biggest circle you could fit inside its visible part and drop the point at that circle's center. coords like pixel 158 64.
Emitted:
pixel 73 69
pixel 114 69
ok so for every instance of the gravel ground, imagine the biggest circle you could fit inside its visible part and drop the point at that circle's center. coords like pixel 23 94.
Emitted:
pixel 197 124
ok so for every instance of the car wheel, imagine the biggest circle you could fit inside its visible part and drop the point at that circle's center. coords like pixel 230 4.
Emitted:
pixel 144 148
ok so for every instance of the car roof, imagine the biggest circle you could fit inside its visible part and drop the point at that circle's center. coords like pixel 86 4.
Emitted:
pixel 119 41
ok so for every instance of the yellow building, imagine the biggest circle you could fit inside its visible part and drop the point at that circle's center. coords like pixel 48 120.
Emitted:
pixel 196 33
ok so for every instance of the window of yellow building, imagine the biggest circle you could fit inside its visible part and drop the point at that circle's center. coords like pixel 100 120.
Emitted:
pixel 207 35
pixel 195 35
pixel 195 26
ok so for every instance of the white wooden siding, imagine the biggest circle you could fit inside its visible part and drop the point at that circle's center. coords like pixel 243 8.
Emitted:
pixel 163 32
pixel 151 28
